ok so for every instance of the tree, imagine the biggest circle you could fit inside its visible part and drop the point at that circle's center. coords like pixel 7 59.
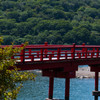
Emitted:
pixel 93 12
pixel 20 18
pixel 13 15
pixel 78 35
pixel 29 38
pixel 8 77
pixel 6 25
pixel 8 39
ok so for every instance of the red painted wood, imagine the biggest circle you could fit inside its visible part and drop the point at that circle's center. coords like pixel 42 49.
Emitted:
pixel 67 53
pixel 50 56
pixel 97 52
pixel 85 52
pixel 51 83
pixel 58 74
pixel 83 49
pixel 67 88
pixel 58 53
pixel 55 46
pixel 37 54
pixel 41 58
pixel 95 68
pixel 96 80
pixel 79 55
pixel 12 57
pixel 22 54
pixel 96 83
pixel 46 43
pixel 66 64
pixel 30 52
pixel 73 51
pixel 32 58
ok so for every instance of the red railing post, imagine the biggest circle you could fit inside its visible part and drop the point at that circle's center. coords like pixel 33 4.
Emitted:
pixel 58 53
pixel 41 56
pixel 32 58
pixel 83 49
pixel 37 54
pixel 93 51
pixel 88 54
pixel 12 57
pixel 79 55
pixel 29 53
pixel 52 53
pixel 45 50
pixel 22 54
pixel 97 52
pixel 50 57
pixel 73 51
pixel 46 43
pixel 85 52
pixel 91 54
pixel 65 55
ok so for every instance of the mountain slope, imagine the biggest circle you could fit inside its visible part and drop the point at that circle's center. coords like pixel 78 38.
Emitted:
pixel 54 21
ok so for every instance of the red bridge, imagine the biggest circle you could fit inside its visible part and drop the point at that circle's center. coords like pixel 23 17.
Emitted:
pixel 60 61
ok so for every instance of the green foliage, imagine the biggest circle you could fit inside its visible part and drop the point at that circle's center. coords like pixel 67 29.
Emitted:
pixel 9 74
pixel 21 18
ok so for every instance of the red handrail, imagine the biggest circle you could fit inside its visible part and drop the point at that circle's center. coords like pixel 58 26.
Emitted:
pixel 33 53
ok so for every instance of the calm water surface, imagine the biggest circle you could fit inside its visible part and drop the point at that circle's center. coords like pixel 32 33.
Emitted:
pixel 81 89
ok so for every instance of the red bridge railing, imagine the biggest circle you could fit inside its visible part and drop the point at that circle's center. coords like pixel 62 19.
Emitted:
pixel 33 53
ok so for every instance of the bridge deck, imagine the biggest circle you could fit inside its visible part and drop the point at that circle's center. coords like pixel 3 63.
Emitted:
pixel 49 53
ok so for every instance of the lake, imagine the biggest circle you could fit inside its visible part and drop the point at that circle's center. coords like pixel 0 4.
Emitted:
pixel 80 89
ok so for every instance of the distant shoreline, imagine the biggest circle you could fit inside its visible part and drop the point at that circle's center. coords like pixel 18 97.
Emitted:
pixel 84 72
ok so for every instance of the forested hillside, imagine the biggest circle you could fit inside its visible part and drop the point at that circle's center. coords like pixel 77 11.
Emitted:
pixel 54 21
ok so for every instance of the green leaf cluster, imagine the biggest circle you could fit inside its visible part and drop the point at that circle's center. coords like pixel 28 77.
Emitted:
pixel 9 74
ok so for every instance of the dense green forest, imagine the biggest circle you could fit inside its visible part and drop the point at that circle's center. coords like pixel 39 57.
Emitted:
pixel 54 21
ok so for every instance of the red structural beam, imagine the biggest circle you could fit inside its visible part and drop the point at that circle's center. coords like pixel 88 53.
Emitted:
pixel 59 74
pixel 55 46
